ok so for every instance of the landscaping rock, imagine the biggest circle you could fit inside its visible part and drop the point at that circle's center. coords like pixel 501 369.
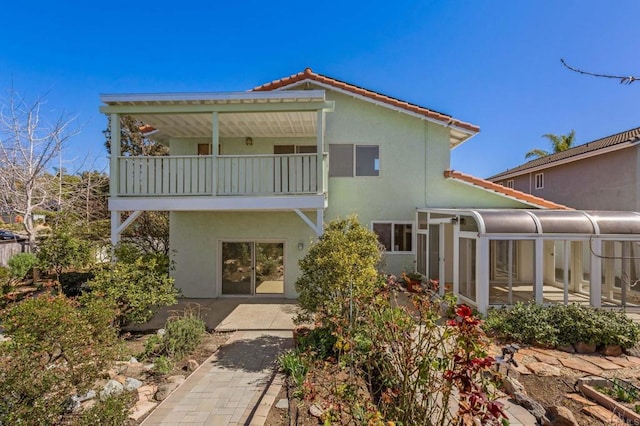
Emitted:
pixel 178 379
pixel 532 406
pixel 86 405
pixel 607 417
pixel 141 409
pixel 612 350
pixel 283 404
pixel 562 416
pixel 120 379
pixel 580 365
pixel 316 411
pixel 543 369
pixel 133 369
pixel 584 348
pixel 512 386
pixel 132 384
pixel 600 362
pixel 111 388
pixel 110 374
pixel 622 361
pixel 165 390
pixel 146 392
pixel 133 360
pixel 192 364
pixel 161 332
pixel 568 349
pixel 548 359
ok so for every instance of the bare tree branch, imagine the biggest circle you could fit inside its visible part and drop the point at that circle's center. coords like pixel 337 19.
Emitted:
pixel 623 79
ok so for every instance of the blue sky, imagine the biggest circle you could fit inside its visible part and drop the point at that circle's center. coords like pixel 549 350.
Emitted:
pixel 492 63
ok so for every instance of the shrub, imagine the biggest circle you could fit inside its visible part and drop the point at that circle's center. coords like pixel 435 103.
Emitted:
pixel 524 323
pixel 113 411
pixel 21 265
pixel 134 289
pixel 560 325
pixel 61 249
pixel 56 350
pixel 182 335
pixel 163 365
pixel 72 282
pixel 320 342
pixel 342 264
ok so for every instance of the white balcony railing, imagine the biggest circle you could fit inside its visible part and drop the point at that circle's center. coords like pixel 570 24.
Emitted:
pixel 292 174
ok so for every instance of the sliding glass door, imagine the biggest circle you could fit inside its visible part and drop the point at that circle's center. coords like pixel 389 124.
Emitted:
pixel 252 267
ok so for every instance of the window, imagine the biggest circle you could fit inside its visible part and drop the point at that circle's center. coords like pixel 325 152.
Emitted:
pixel 509 183
pixel 295 149
pixel 354 160
pixel 539 180
pixel 396 237
pixel 205 149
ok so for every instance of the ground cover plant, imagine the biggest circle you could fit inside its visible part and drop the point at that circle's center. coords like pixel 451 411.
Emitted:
pixel 562 325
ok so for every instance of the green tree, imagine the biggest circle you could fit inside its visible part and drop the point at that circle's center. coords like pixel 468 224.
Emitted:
pixel 61 249
pixel 341 265
pixel 133 141
pixel 559 143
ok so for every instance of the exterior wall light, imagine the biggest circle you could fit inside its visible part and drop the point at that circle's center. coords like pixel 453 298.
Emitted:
pixel 300 245
pixel 248 141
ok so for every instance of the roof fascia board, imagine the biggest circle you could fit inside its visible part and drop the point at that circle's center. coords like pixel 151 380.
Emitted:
pixel 379 103
pixel 538 206
pixel 211 96
pixel 227 107
pixel 578 157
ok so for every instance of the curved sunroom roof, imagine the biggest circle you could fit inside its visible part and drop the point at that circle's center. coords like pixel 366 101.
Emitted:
pixel 523 221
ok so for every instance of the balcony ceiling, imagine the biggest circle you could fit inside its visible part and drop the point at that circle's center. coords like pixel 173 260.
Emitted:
pixel 253 124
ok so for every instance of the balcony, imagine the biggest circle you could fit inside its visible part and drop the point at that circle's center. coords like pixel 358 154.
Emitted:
pixel 232 177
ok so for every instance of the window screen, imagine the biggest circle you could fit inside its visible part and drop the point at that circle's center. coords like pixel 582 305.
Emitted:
pixel 367 161
pixel 340 160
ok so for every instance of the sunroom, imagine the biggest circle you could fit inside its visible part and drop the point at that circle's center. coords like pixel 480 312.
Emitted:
pixel 497 257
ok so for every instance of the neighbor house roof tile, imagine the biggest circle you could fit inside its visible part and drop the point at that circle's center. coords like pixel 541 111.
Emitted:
pixel 632 135
pixel 503 190
pixel 308 74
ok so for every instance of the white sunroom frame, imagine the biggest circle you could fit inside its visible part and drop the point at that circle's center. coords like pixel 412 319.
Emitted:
pixel 482 257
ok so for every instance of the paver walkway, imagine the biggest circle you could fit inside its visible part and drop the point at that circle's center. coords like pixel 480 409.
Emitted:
pixel 230 387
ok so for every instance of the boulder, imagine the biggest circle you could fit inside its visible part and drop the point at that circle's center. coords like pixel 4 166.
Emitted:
pixel 112 387
pixel 178 379
pixel 562 416
pixel 512 386
pixel 584 348
pixel 164 391
pixel 133 369
pixel 316 411
pixel 612 350
pixel 192 364
pixel 534 407
pixel 132 384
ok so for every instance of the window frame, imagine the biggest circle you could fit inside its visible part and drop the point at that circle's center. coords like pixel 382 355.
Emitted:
pixel 392 224
pixel 538 183
pixel 509 183
pixel 354 151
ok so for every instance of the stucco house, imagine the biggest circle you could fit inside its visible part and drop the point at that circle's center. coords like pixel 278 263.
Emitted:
pixel 252 177
pixel 603 174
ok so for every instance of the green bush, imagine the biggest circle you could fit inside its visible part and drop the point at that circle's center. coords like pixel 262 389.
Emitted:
pixel 319 341
pixel 342 264
pixel 113 411
pixel 72 282
pixel 182 335
pixel 56 350
pixel 61 249
pixel 560 325
pixel 21 265
pixel 134 289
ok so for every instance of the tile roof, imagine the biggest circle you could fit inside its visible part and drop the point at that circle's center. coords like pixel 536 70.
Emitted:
pixel 308 74
pixel 619 138
pixel 503 190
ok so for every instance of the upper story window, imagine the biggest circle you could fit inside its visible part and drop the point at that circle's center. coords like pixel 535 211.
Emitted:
pixel 347 160
pixel 539 177
pixel 396 237
pixel 509 183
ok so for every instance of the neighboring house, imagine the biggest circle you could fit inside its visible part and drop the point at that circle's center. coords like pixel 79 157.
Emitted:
pixel 600 175
pixel 253 176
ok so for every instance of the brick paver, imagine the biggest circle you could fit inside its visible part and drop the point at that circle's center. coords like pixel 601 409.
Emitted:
pixel 228 387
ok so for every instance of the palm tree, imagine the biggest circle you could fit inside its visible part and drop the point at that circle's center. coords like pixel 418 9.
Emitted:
pixel 559 143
